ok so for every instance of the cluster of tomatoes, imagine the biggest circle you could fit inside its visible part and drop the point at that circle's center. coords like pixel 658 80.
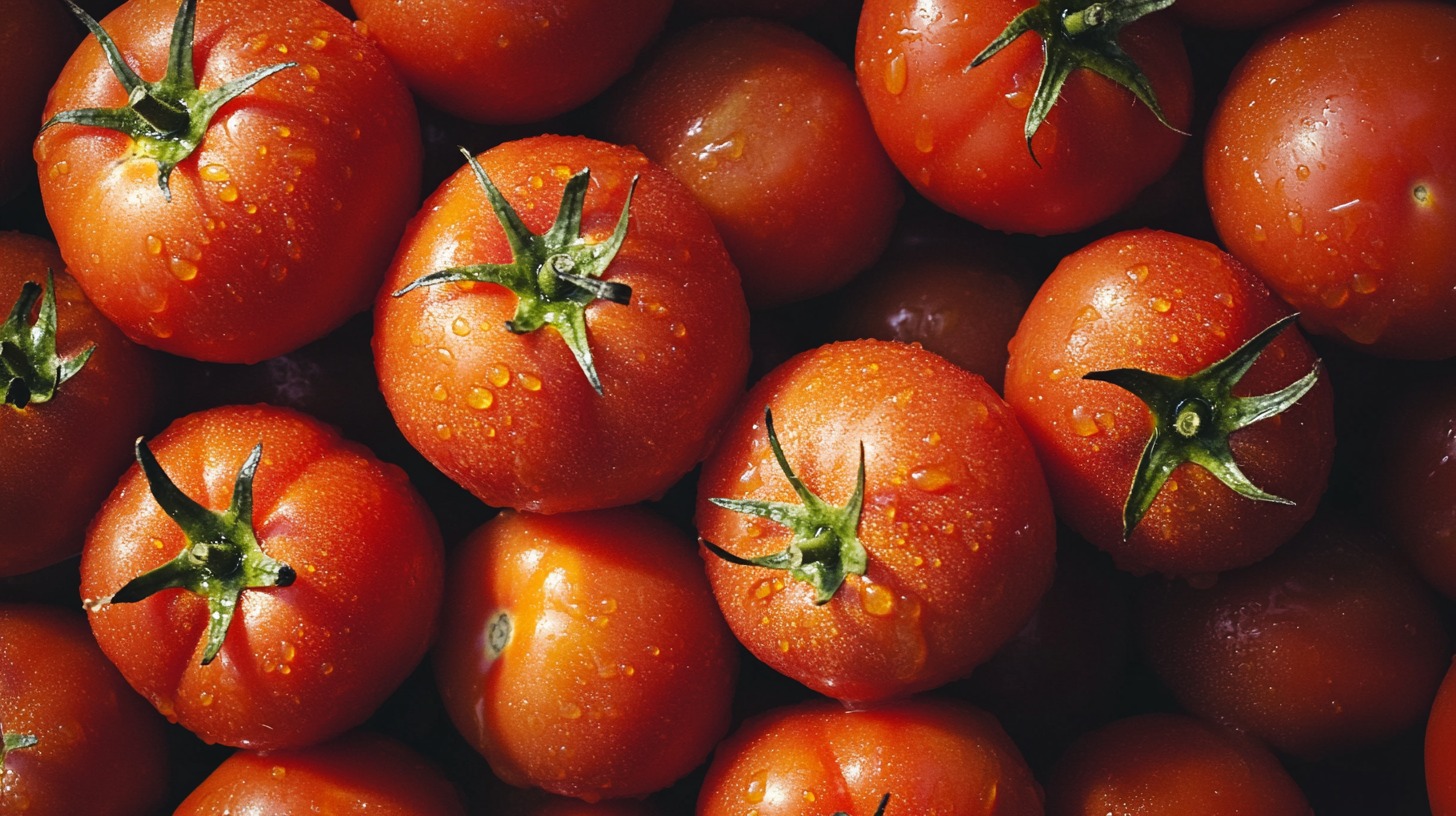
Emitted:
pixel 892 408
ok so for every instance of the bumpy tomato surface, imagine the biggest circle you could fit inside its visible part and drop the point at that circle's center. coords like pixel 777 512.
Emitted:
pixel 583 654
pixel 1441 750
pixel 954 534
pixel 301 661
pixel 280 223
pixel 1331 164
pixel 1172 306
pixel 514 417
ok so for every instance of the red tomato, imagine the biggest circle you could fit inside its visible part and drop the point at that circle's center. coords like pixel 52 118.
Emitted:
pixel 300 662
pixel 945 557
pixel 35 38
pixel 1441 750
pixel 279 225
pixel 76 739
pixel 358 773
pixel 959 136
pixel 932 757
pixel 582 653
pixel 515 418
pixel 1170 306
pixel 1415 481
pixel 765 126
pixel 1329 164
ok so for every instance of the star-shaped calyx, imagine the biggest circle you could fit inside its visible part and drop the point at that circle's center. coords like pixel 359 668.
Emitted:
pixel 30 370
pixel 222 557
pixel 825 549
pixel 167 118
pixel 554 276
pixel 1193 417
pixel 879 811
pixel 1079 34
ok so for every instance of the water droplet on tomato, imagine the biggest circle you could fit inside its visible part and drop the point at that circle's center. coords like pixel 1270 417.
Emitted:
pixel 933 479
pixel 530 382
pixel 154 245
pixel 924 135
pixel 877 600
pixel 479 398
pixel 439 393
pixel 182 269
pixel 443 431
pixel 228 194
pixel 896 75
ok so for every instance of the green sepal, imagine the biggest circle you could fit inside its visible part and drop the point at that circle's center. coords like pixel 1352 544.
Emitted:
pixel 1194 416
pixel 1079 34
pixel 15 742
pixel 554 276
pixel 879 811
pixel 825 549
pixel 30 370
pixel 222 557
pixel 169 117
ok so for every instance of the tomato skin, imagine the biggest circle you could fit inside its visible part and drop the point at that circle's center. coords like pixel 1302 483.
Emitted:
pixel 616 677
pixel 1441 749
pixel 958 136
pixel 90 423
pixel 512 418
pixel 1169 305
pixel 765 126
pixel 35 38
pixel 300 663
pixel 358 773
pixel 280 224
pixel 99 748
pixel 1415 480
pixel 931 756
pixel 947 469
pixel 1326 134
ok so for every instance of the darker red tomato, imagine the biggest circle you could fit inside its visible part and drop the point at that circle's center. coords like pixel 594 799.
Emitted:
pixel 583 654
pixel 1441 750
pixel 1330 166
pixel 1414 483
pixel 35 37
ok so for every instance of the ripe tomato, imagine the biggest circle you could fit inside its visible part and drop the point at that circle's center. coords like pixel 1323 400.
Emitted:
pixel 88 420
pixel 279 223
pixel 931 756
pixel 1441 749
pixel 76 739
pixel 959 134
pixel 296 660
pixel 941 536
pixel 616 401
pixel 1329 165
pixel 35 38
pixel 1414 483
pixel 1170 306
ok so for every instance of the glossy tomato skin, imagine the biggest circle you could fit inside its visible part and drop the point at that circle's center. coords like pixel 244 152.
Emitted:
pixel 512 417
pixel 767 129
pixel 99 748
pixel 1441 749
pixel 958 135
pixel 281 223
pixel 359 773
pixel 1415 480
pixel 508 61
pixel 582 653
pixel 1169 305
pixel 956 520
pixel 35 38
pixel 300 663
pixel 931 756
pixel 1330 160
pixel 89 424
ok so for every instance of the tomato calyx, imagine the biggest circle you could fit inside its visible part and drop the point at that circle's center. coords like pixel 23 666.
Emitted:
pixel 1079 34
pixel 879 811
pixel 554 276
pixel 222 557
pixel 169 117
pixel 825 549
pixel 29 366
pixel 14 742
pixel 1194 416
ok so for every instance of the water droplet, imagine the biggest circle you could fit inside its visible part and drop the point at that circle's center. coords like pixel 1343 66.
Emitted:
pixel 1296 222
pixel 319 40
pixel 1138 273
pixel 289 652
pixel 213 172
pixel 1335 297
pixel 924 135
pixel 503 41
pixel 1083 422
pixel 281 48
pixel 1260 234
pixel 284 131
pixel 783 646
pixel 460 326
pixel 443 431
pixel 326 669
pixel 480 398
pixel 931 479
pixel 763 590
pixel 896 75
pixel 1160 304
pixel 205 698
pixel 1224 298
pixel 154 245
pixel 757 788
pixel 571 711
pixel 439 393
pixel 1302 172
pixel 250 208
pixel 182 269
pixel 678 330
pixel 60 168
pixel 530 382
pixel 932 439
pixel 498 375
pixel 279 772
pixel 1087 315
pixel 877 600
pixel 1018 99
pixel 1364 284
pixel 228 194
pixel 311 72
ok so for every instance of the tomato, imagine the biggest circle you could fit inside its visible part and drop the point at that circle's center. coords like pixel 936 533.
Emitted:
pixel 583 654
pixel 1169 306
pixel 357 773
pixel 616 401
pixel 35 37
pixel 278 225
pixel 1172 765
pixel 922 538
pixel 959 134
pixel 1414 482
pixel 1441 749
pixel 105 398
pixel 1329 162
pixel 313 613
pixel 930 756
pixel 76 739
pixel 765 126
pixel 1331 644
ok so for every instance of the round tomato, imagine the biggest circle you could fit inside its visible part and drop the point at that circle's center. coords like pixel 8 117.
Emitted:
pixel 294 579
pixel 35 38
pixel 1441 749
pixel 255 226
pixel 1414 483
pixel 878 523
pixel 582 360
pixel 1330 163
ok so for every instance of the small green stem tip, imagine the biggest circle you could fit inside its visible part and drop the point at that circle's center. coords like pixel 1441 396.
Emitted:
pixel 15 742
pixel 30 370
pixel 880 811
